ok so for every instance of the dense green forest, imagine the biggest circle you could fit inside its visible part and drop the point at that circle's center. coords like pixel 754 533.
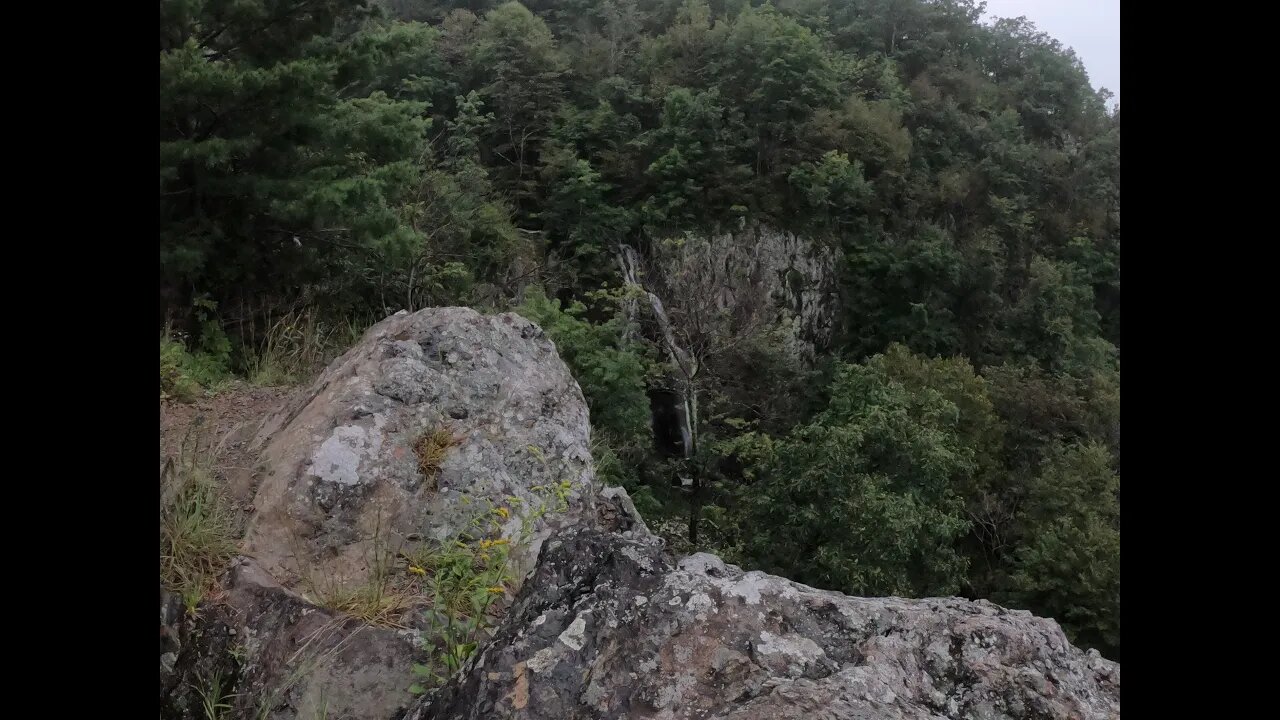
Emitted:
pixel 951 426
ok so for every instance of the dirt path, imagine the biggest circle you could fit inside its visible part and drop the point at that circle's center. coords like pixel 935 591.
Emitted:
pixel 225 422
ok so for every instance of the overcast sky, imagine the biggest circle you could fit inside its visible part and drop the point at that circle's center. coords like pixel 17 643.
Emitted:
pixel 1090 27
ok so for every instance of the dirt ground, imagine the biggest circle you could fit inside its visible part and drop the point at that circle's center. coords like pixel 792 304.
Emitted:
pixel 224 422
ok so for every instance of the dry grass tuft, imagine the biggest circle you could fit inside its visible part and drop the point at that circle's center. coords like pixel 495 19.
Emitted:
pixel 430 448
pixel 198 528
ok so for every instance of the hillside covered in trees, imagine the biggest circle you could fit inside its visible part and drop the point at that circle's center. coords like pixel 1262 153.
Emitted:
pixel 922 398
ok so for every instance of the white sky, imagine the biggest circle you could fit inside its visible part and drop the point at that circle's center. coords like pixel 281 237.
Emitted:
pixel 1090 27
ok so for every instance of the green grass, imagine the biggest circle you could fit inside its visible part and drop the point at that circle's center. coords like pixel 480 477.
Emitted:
pixel 214 698
pixel 297 346
pixel 291 350
pixel 380 599
pixel 198 529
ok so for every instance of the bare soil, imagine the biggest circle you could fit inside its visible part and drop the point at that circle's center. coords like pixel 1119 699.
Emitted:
pixel 225 422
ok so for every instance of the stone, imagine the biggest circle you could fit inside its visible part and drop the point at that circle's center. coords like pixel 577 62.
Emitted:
pixel 604 623
pixel 339 459
pixel 611 628
pixel 279 654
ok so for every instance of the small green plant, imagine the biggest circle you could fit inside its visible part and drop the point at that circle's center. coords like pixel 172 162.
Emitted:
pixel 198 530
pixel 377 602
pixel 430 448
pixel 463 577
pixel 186 376
pixel 466 575
pixel 214 697
pixel 194 366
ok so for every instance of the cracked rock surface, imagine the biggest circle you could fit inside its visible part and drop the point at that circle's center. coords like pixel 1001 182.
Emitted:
pixel 608 627
pixel 336 464
pixel 605 624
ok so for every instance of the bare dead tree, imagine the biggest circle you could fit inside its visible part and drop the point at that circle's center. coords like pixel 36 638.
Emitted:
pixel 706 308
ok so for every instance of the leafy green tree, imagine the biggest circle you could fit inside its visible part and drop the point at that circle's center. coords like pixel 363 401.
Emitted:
pixel 834 188
pixel 777 71
pixel 521 70
pixel 273 177
pixel 465 223
pixel 1055 321
pixel 1068 566
pixel 585 222
pixel 862 499
pixel 694 176
pixel 902 290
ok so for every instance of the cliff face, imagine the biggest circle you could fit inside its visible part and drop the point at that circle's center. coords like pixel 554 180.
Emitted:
pixel 604 623
pixel 753 275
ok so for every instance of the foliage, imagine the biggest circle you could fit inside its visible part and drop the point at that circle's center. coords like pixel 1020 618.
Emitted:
pixel 293 142
pixel 198 529
pixel 466 575
pixel 327 161
pixel 862 498
pixel 215 697
pixel 297 346
pixel 1069 564
pixel 186 374
pixel 610 369
pixel 183 375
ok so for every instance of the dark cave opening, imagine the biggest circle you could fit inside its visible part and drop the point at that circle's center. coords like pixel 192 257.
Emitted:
pixel 668 438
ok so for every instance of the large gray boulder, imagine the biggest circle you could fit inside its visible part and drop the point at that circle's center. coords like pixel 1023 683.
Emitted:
pixel 337 470
pixel 337 486
pixel 610 628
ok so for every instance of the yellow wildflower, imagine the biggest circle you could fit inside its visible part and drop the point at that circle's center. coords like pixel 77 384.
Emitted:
pixel 417 570
pixel 500 541
pixel 505 513
pixel 497 589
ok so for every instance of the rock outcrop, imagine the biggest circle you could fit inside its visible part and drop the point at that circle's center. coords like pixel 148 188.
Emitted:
pixel 752 271
pixel 606 624
pixel 272 654
pixel 609 627
pixel 337 485
pixel 337 467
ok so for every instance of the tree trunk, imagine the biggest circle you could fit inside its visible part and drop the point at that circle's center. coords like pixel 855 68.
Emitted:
pixel 695 509
pixel 691 454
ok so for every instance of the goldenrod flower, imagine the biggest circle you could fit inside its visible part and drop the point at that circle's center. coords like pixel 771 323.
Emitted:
pixel 417 570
